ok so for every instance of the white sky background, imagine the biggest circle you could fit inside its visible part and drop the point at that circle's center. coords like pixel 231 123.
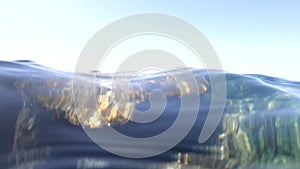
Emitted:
pixel 249 37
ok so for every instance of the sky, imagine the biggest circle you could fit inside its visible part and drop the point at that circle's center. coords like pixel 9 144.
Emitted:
pixel 258 37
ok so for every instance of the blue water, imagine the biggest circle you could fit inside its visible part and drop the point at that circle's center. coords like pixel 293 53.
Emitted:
pixel 259 128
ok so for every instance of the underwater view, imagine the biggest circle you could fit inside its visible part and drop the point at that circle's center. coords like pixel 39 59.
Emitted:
pixel 45 116
pixel 150 84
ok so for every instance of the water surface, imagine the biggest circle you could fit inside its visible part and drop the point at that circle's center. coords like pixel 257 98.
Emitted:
pixel 260 126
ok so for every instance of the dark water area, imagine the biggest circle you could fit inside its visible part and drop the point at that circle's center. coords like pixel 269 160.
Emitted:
pixel 259 128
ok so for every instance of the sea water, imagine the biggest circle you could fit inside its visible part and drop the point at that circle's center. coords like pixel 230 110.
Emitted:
pixel 259 126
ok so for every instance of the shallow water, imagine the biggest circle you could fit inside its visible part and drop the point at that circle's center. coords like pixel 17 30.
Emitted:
pixel 260 125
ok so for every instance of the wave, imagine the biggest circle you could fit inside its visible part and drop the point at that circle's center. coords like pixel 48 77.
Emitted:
pixel 47 117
